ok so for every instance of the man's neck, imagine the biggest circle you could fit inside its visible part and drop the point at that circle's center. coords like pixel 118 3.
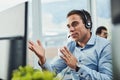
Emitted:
pixel 84 42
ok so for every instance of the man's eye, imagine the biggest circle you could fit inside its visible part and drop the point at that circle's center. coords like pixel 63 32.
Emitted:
pixel 105 33
pixel 68 26
pixel 74 24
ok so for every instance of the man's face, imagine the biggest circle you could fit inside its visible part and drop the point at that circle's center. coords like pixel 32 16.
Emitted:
pixel 76 28
pixel 104 34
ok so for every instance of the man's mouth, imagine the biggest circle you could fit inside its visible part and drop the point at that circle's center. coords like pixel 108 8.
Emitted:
pixel 73 35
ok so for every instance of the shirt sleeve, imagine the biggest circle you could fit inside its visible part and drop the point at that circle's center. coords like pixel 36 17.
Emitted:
pixel 104 67
pixel 57 65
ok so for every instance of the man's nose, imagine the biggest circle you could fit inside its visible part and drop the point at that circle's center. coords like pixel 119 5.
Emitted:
pixel 72 28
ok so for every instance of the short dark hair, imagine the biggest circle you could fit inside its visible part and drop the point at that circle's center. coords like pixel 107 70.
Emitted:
pixel 100 28
pixel 83 14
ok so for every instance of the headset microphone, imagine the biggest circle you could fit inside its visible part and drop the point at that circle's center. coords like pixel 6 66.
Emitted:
pixel 69 36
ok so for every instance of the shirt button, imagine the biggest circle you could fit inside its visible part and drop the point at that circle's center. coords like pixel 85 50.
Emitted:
pixel 81 73
pixel 81 49
pixel 79 60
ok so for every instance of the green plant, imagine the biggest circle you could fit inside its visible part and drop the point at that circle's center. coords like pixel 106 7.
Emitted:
pixel 29 73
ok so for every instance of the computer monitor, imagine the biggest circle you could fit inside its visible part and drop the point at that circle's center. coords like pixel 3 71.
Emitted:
pixel 13 38
pixel 115 11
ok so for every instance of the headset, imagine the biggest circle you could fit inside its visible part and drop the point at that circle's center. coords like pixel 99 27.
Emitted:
pixel 88 22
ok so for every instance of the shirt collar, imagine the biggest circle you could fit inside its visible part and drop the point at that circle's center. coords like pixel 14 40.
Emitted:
pixel 92 39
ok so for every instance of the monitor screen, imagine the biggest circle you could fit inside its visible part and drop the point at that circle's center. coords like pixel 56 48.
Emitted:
pixel 115 11
pixel 115 5
pixel 13 38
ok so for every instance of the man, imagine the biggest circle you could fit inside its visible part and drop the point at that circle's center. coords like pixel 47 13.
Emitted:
pixel 88 56
pixel 102 32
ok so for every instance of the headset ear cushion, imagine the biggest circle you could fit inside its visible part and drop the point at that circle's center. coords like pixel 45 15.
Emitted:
pixel 88 25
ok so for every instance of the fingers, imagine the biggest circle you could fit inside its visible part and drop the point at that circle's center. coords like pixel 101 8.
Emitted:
pixel 39 43
pixel 64 58
pixel 69 60
pixel 30 48
pixel 65 52
pixel 31 43
pixel 68 57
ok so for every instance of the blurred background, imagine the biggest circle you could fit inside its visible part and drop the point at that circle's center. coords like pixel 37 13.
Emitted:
pixel 46 20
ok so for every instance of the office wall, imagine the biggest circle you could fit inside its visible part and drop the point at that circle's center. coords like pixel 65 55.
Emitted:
pixel 11 21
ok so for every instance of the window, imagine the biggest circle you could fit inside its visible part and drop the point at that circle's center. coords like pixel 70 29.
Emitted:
pixel 104 15
pixel 53 15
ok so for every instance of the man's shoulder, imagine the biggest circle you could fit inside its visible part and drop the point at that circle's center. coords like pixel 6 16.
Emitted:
pixel 102 41
pixel 71 45
pixel 102 44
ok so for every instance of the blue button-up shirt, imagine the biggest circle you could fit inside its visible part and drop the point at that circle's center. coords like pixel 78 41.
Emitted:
pixel 94 59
